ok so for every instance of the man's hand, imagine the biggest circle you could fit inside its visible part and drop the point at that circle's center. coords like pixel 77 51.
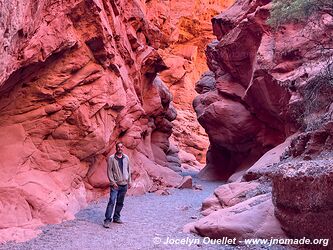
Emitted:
pixel 115 186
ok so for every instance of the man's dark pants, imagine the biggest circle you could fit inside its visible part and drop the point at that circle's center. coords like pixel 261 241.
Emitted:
pixel 117 197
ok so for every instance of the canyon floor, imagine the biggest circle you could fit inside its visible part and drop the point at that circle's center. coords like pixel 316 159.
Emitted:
pixel 147 218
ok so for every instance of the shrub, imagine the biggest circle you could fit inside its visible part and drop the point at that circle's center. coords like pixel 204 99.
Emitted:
pixel 318 96
pixel 286 11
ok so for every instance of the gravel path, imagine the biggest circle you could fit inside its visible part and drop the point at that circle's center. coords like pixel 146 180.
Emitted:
pixel 147 218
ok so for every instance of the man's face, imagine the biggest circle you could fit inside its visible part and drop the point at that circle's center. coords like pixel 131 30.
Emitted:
pixel 119 148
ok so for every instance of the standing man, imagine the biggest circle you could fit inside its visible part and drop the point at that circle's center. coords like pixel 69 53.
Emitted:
pixel 119 174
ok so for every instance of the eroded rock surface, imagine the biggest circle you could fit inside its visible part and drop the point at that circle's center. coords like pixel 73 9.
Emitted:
pixel 307 210
pixel 186 28
pixel 241 105
pixel 257 91
pixel 76 77
pixel 266 105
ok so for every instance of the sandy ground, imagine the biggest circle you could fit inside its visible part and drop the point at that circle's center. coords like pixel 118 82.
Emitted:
pixel 148 222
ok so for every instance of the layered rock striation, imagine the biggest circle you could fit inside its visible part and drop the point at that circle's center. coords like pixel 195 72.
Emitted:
pixel 76 77
pixel 186 30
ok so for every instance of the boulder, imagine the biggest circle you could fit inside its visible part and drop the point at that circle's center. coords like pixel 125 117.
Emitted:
pixel 253 218
pixel 307 210
pixel 186 183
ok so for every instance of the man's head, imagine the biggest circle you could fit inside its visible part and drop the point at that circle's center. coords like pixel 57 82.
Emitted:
pixel 119 147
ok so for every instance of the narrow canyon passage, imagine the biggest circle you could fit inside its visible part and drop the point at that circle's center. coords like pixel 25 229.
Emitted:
pixel 223 90
pixel 147 219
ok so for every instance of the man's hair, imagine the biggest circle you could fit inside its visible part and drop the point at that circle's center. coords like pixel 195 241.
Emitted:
pixel 118 143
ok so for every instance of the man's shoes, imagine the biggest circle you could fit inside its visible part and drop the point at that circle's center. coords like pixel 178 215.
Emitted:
pixel 119 221
pixel 107 224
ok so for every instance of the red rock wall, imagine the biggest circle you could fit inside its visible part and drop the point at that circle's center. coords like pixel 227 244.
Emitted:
pixel 77 76
pixel 264 86
pixel 186 28
pixel 252 98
